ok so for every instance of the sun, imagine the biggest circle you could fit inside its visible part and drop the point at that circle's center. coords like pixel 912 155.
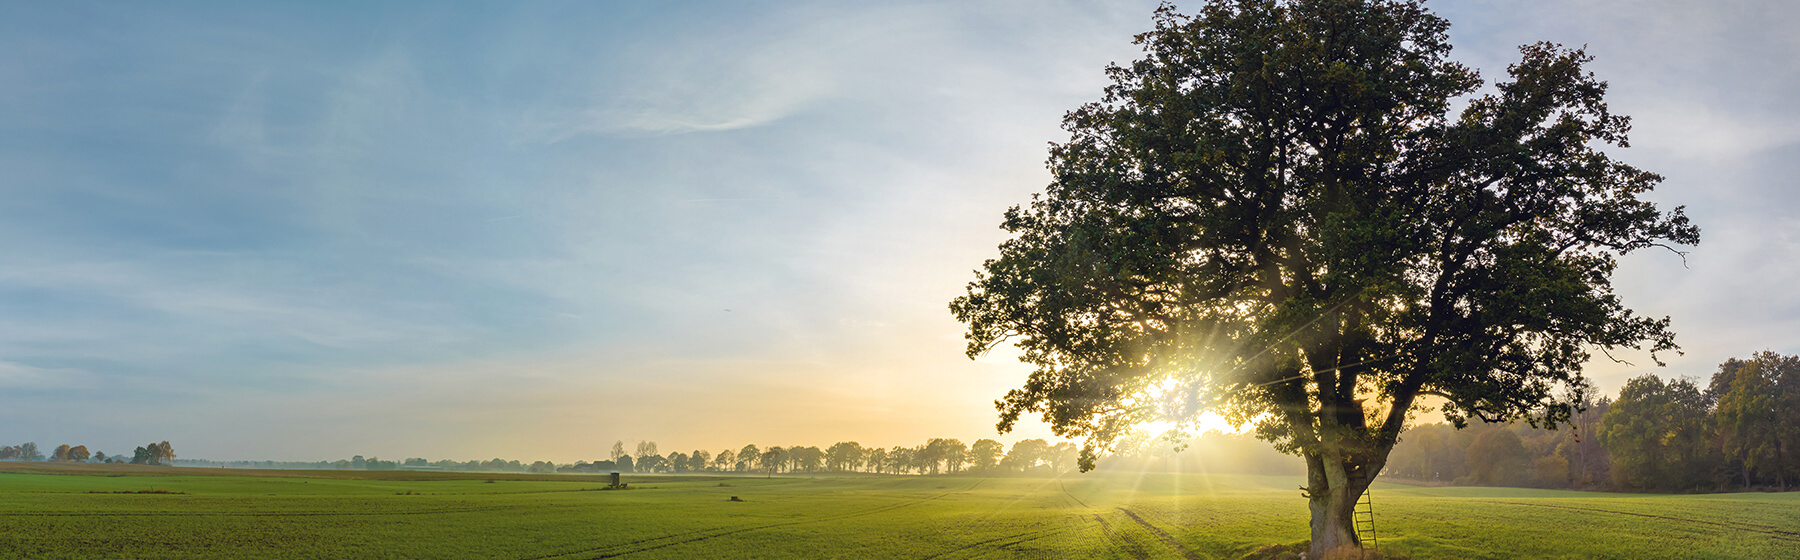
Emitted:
pixel 1208 422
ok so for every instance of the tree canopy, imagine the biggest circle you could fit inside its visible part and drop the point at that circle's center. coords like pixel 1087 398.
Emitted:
pixel 1276 214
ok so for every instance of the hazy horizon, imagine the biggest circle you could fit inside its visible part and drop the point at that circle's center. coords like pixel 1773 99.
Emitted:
pixel 308 232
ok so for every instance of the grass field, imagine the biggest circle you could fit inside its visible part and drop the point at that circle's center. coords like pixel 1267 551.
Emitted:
pixel 213 513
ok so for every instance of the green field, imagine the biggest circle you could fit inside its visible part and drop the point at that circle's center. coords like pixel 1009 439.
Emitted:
pixel 214 513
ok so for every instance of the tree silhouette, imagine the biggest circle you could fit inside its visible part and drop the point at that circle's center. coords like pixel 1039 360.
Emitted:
pixel 750 456
pixel 772 459
pixel 844 456
pixel 985 454
pixel 1273 215
pixel 878 460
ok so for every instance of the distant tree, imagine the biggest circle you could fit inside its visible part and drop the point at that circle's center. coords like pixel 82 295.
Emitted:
pixel 357 462
pixel 1063 457
pixel 1551 471
pixel 901 460
pixel 162 453
pixel 28 451
pixel 1498 458
pixel 844 456
pixel 750 456
pixel 985 454
pixel 930 456
pixel 809 458
pixel 416 462
pixel 100 456
pixel 1658 435
pixel 78 453
pixel 1411 458
pixel 1586 457
pixel 699 460
pixel 956 455
pixel 626 464
pixel 935 455
pixel 772 459
pixel 726 460
pixel 9 453
pixel 618 450
pixel 877 460
pixel 652 464
pixel 1787 417
pixel 646 449
pixel 1025 455
pixel 61 454
pixel 542 467
pixel 1755 428
pixel 678 462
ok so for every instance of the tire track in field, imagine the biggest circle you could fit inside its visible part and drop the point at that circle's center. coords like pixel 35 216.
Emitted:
pixel 609 552
pixel 1770 530
pixel 1065 491
pixel 1166 538
pixel 1117 541
pixel 1016 539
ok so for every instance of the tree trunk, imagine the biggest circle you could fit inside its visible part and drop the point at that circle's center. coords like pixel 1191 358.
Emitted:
pixel 1780 463
pixel 1332 494
pixel 1746 461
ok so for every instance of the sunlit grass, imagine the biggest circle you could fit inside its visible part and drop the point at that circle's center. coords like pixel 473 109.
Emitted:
pixel 1133 514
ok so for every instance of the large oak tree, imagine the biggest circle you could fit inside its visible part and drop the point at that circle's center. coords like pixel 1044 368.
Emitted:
pixel 1280 214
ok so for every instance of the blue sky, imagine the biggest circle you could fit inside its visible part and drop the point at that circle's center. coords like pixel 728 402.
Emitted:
pixel 525 230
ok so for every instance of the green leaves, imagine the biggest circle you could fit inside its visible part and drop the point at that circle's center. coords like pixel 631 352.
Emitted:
pixel 1273 215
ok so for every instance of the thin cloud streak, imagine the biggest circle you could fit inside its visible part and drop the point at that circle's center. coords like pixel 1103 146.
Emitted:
pixel 512 231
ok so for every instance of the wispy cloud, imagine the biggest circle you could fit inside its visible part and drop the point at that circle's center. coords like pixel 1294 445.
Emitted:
pixel 20 376
pixel 518 219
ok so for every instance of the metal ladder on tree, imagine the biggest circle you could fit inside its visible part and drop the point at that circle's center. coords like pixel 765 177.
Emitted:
pixel 1363 517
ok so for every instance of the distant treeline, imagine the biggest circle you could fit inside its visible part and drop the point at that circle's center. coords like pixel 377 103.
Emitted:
pixel 1740 432
pixel 935 456
pixel 1215 452
pixel 148 454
